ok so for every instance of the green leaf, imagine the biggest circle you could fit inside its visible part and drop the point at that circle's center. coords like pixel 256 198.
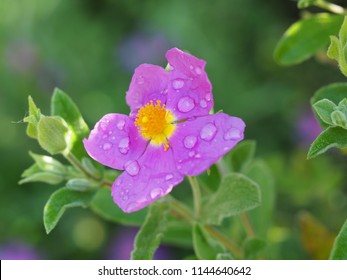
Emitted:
pixel 53 134
pixel 47 163
pixel 333 92
pixel 236 194
pixel 324 108
pixel 45 177
pixel 205 248
pixel 306 3
pixel 253 247
pixel 329 138
pixel 178 233
pixel 242 155
pixel 32 119
pixel 63 106
pixel 334 48
pixel 148 238
pixel 339 251
pixel 78 184
pixel 305 37
pixel 339 119
pixel 104 206
pixel 261 216
pixel 61 200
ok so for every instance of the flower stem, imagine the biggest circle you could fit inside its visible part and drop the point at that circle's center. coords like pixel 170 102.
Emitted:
pixel 184 212
pixel 247 224
pixel 77 164
pixel 196 195
pixel 230 245
pixel 336 9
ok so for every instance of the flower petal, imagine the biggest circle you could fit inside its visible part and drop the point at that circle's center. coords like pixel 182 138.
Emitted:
pixel 145 180
pixel 189 90
pixel 200 142
pixel 149 82
pixel 114 141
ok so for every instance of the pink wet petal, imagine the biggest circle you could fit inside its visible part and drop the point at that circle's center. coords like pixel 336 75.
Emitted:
pixel 114 141
pixel 190 91
pixel 149 82
pixel 145 180
pixel 200 142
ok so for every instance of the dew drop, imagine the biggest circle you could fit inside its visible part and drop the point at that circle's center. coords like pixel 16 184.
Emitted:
pixel 168 177
pixel 208 132
pixel 197 156
pixel 123 145
pixel 232 134
pixel 189 141
pixel 131 207
pixel 191 153
pixel 125 197
pixel 155 193
pixel 113 138
pixel 185 104
pixel 104 124
pixel 106 146
pixel 208 97
pixel 120 124
pixel 198 70
pixel 110 132
pixel 140 80
pixel 177 84
pixel 132 167
pixel 104 136
pixel 203 103
pixel 191 67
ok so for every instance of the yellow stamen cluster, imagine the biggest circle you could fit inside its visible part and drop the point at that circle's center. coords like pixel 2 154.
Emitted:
pixel 155 123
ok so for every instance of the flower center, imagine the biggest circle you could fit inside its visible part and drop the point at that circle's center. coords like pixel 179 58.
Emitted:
pixel 155 123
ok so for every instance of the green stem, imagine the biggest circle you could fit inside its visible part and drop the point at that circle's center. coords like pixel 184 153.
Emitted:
pixel 196 195
pixel 247 224
pixel 77 164
pixel 181 210
pixel 336 9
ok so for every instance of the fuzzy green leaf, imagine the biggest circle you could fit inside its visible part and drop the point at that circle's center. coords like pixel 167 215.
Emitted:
pixel 324 108
pixel 32 119
pixel 305 37
pixel 329 138
pixel 242 155
pixel 61 200
pixel 339 251
pixel 47 163
pixel 79 184
pixel 204 247
pixel 334 92
pixel 63 106
pixel 339 119
pixel 261 216
pixel 104 206
pixel 44 177
pixel 148 238
pixel 236 194
pixel 53 134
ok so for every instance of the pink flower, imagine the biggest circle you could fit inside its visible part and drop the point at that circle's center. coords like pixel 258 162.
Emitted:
pixel 169 133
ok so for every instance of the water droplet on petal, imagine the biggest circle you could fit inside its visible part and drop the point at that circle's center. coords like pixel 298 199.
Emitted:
pixel 120 124
pixel 189 141
pixel 123 145
pixel 132 167
pixel 131 207
pixel 168 177
pixel 208 97
pixel 197 156
pixel 104 136
pixel 125 197
pixel 110 132
pixel 113 138
pixel 140 80
pixel 203 103
pixel 191 153
pixel 232 134
pixel 177 84
pixel 155 193
pixel 191 67
pixel 198 70
pixel 185 104
pixel 104 124
pixel 179 167
pixel 106 146
pixel 208 132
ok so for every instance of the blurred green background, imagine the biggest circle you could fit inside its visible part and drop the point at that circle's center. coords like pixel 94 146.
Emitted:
pixel 89 48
